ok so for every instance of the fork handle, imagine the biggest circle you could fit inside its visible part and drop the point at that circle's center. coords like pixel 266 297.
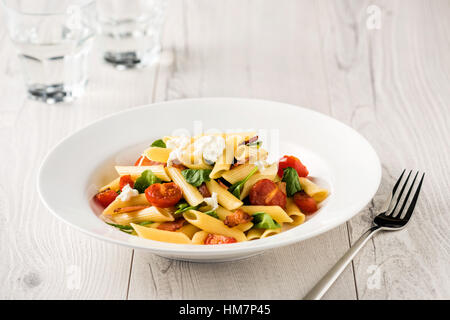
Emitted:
pixel 325 283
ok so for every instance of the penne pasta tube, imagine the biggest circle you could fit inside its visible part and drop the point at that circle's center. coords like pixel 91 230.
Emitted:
pixel 190 193
pixel 212 225
pixel 189 230
pixel 224 197
pixel 222 212
pixel 294 212
pixel 244 226
pixel 250 154
pixel 113 185
pixel 313 190
pixel 223 164
pixel 136 171
pixel 238 173
pixel 254 234
pixel 199 237
pixel 117 203
pixel 161 235
pixel 158 154
pixel 270 232
pixel 148 214
pixel 276 212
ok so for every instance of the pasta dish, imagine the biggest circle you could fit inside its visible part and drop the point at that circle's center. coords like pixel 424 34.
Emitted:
pixel 209 189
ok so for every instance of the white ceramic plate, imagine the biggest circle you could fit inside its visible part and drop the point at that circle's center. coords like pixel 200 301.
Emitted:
pixel 341 159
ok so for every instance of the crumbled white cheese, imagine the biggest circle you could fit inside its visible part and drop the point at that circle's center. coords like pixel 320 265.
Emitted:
pixel 261 165
pixel 211 147
pixel 127 193
pixel 177 145
pixel 212 201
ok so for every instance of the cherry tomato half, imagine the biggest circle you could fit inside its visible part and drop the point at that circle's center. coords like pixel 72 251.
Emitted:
pixel 266 193
pixel 124 180
pixel 305 203
pixel 291 161
pixel 147 162
pixel 218 239
pixel 104 198
pixel 163 195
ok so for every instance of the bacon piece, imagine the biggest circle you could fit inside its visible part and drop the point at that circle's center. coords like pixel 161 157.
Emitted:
pixel 266 193
pixel 218 239
pixel 236 218
pixel 204 191
pixel 179 166
pixel 130 209
pixel 171 225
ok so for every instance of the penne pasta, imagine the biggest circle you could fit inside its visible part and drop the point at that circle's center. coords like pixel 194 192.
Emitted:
pixel 212 225
pixel 294 212
pixel 148 214
pixel 250 154
pixel 136 171
pixel 244 226
pixel 189 230
pixel 222 212
pixel 199 237
pixel 223 164
pixel 276 212
pixel 224 197
pixel 158 154
pixel 190 193
pixel 313 190
pixel 161 235
pixel 117 203
pixel 113 185
pixel 238 173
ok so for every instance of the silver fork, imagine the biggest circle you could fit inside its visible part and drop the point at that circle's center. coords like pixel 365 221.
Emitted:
pixel 391 218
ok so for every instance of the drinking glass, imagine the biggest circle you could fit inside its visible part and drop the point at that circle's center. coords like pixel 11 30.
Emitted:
pixel 130 31
pixel 53 38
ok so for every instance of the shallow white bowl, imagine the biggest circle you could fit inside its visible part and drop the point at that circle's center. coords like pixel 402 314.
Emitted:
pixel 340 158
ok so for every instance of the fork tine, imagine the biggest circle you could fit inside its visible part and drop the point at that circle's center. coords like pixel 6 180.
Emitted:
pixel 388 202
pixel 414 200
pixel 400 195
pixel 407 196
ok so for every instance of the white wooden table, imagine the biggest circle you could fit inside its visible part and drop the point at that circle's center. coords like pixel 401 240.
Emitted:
pixel 390 83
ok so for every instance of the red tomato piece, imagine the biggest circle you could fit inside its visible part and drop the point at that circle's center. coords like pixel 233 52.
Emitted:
pixel 171 225
pixel 266 193
pixel 293 162
pixel 124 180
pixel 105 197
pixel 218 239
pixel 305 203
pixel 163 195
pixel 147 162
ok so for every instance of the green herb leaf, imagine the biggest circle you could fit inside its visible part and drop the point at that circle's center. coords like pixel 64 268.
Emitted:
pixel 158 143
pixel 255 143
pixel 212 213
pixel 121 227
pixel 196 176
pixel 146 179
pixel 237 187
pixel 290 176
pixel 263 220
pixel 183 207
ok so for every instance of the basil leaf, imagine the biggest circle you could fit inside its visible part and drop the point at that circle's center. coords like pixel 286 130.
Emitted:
pixel 263 220
pixel 158 143
pixel 212 213
pixel 237 187
pixel 182 207
pixel 290 176
pixel 146 179
pixel 196 176
pixel 121 227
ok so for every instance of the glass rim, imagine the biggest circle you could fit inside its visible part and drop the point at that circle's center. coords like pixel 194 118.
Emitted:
pixel 83 3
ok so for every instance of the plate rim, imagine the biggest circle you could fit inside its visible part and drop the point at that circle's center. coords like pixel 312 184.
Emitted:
pixel 193 250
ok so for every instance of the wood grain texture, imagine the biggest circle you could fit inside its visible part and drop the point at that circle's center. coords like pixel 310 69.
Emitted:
pixel 390 84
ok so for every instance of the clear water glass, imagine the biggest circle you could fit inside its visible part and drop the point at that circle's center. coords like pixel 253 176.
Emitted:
pixel 53 39
pixel 130 31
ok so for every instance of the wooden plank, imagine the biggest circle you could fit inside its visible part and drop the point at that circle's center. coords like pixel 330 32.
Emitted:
pixel 247 49
pixel 42 258
pixel 391 84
